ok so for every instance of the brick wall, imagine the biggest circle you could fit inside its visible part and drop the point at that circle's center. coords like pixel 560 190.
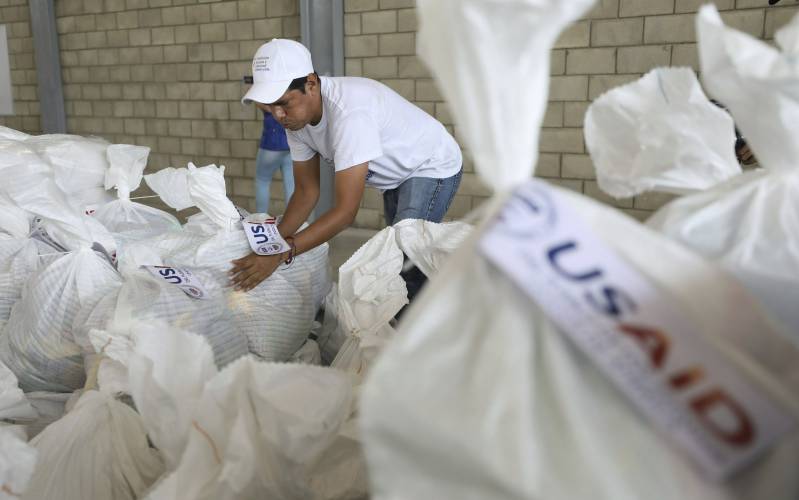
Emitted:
pixel 166 73
pixel 616 43
pixel 15 14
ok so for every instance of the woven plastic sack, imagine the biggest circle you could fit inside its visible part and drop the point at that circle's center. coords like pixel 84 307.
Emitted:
pixel 252 430
pixel 37 343
pixel 277 315
pixel 97 450
pixel 13 405
pixel 144 298
pixel 750 224
pixel 480 395
pixel 17 462
pixel 476 347
pixel 128 220
pixel 660 133
pixel 79 166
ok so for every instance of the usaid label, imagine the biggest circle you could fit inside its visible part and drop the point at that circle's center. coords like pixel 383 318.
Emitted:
pixel 181 278
pixel 634 333
pixel 264 237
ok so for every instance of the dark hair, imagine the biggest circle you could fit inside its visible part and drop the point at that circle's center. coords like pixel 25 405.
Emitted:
pixel 299 83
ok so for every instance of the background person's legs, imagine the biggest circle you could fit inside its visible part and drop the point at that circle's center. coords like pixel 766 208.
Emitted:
pixel 287 171
pixel 266 164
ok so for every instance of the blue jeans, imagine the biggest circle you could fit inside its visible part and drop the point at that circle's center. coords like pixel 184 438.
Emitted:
pixel 419 198
pixel 266 164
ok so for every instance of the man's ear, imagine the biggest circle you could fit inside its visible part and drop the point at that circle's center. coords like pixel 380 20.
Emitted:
pixel 312 82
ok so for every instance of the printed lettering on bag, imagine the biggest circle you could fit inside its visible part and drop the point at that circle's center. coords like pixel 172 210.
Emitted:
pixel 181 278
pixel 264 237
pixel 637 335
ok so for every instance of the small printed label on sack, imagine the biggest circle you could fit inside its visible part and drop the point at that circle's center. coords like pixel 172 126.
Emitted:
pixel 181 278
pixel 264 237
pixel 90 209
pixel 634 333
pixel 243 213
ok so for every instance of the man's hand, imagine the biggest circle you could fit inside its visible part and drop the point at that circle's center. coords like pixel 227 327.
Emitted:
pixel 248 272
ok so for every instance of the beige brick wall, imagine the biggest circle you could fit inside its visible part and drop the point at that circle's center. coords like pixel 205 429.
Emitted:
pixel 166 74
pixel 15 15
pixel 616 43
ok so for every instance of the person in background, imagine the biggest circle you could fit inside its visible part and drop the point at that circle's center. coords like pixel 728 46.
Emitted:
pixel 273 155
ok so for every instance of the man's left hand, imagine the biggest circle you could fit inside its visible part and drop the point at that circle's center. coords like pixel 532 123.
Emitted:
pixel 248 272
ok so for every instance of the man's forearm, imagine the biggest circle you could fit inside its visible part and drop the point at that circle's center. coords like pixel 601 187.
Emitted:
pixel 298 210
pixel 323 229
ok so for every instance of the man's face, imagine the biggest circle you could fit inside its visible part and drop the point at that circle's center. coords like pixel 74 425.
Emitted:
pixel 294 109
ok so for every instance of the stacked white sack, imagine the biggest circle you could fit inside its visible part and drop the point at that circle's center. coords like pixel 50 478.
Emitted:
pixel 277 315
pixel 127 220
pixel 750 223
pixel 79 166
pixel 97 450
pixel 20 257
pixel 252 430
pixel 144 298
pixel 480 395
pixel 17 462
pixel 370 290
pixel 37 342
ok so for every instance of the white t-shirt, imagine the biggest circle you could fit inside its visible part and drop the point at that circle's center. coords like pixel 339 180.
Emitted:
pixel 365 121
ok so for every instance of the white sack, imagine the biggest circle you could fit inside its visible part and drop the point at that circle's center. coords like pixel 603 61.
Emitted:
pixel 429 244
pixel 13 404
pixel 750 224
pixel 277 315
pixel 14 221
pixel 253 430
pixel 479 395
pixel 515 63
pixel 37 343
pixel 97 450
pixel 79 165
pixel 144 298
pixel 17 462
pixel 10 133
pixel 203 187
pixel 660 133
pixel 128 220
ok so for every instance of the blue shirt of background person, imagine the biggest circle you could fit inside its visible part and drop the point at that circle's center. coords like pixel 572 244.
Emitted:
pixel 273 155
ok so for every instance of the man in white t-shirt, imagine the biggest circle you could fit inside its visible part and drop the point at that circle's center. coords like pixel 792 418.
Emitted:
pixel 371 134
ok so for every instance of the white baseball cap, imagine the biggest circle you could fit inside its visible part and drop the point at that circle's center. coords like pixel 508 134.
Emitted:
pixel 274 66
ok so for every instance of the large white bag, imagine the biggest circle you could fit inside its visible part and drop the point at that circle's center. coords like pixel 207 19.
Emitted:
pixel 97 450
pixel 37 343
pixel 749 223
pixel 252 430
pixel 17 461
pixel 277 315
pixel 79 166
pixel 126 219
pixel 660 133
pixel 370 291
pixel 142 297
pixel 480 395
